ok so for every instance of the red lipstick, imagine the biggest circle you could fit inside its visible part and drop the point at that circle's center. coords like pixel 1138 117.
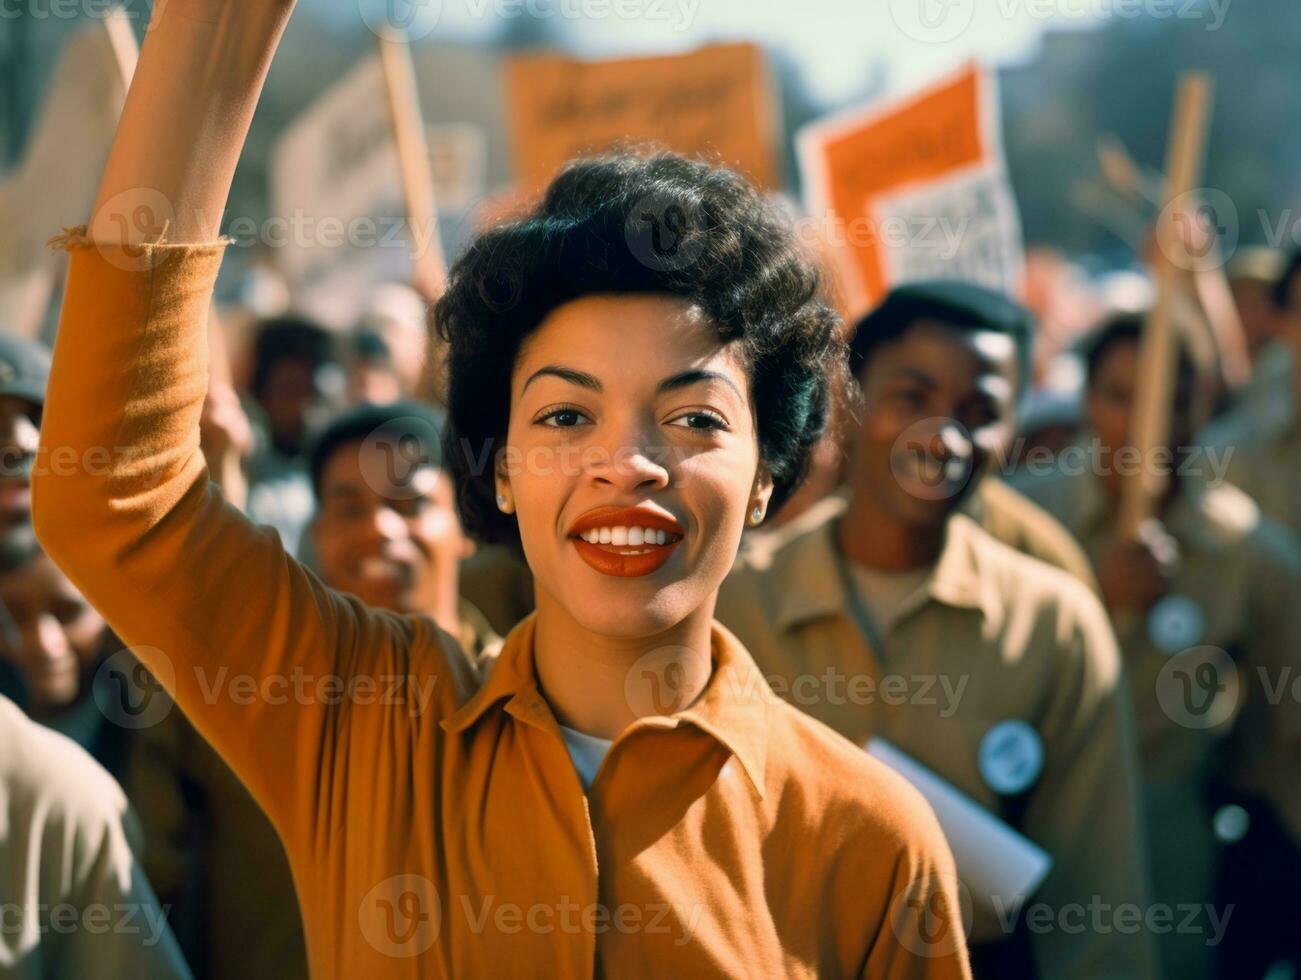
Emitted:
pixel 626 560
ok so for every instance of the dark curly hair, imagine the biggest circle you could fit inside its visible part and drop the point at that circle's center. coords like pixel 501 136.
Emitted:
pixel 634 222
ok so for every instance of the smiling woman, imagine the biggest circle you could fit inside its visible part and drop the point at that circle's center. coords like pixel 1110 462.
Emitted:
pixel 637 370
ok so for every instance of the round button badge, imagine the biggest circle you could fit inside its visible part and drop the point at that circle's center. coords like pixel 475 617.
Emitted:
pixel 1176 623
pixel 1011 757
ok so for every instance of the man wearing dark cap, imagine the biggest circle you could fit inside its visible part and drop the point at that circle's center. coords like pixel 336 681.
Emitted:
pixel 890 614
pixel 24 370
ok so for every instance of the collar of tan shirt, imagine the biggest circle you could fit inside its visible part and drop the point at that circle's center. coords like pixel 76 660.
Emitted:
pixel 733 708
pixel 811 583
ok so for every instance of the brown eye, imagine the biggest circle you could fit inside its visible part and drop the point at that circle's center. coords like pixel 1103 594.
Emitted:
pixel 563 418
pixel 700 421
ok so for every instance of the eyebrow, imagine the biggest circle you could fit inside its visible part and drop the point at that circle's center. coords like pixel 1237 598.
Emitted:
pixel 564 374
pixel 680 380
pixel 694 376
pixel 915 374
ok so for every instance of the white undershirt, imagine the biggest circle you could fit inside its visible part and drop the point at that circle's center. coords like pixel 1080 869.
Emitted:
pixel 885 594
pixel 587 751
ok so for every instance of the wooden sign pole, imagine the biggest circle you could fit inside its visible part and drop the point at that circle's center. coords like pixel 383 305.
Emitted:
pixel 414 164
pixel 1153 399
pixel 430 272
pixel 1210 284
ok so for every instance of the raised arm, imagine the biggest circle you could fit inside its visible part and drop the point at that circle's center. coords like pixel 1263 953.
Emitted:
pixel 252 647
pixel 186 117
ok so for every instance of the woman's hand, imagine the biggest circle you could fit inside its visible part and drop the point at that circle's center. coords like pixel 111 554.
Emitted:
pixel 186 117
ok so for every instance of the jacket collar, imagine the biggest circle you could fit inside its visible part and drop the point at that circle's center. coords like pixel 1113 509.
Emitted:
pixel 811 582
pixel 733 708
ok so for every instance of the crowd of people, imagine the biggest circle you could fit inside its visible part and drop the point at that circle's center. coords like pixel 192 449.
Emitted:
pixel 586 662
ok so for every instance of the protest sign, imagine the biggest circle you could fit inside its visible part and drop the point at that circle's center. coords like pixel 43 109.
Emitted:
pixel 915 189
pixel 54 185
pixel 717 101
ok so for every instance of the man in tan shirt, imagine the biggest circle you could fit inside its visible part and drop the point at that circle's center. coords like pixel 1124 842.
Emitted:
pixel 1202 602
pixel 74 902
pixel 889 614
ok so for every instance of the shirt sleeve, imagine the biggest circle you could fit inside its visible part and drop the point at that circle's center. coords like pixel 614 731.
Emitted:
pixel 255 651
pixel 121 931
pixel 1087 809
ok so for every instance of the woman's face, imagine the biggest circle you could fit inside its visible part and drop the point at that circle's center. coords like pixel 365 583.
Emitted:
pixel 631 461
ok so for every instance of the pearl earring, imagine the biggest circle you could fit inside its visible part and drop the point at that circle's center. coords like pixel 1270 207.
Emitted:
pixel 501 502
pixel 756 515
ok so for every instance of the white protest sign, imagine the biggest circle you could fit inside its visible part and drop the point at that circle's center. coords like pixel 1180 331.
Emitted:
pixel 916 189
pixel 55 183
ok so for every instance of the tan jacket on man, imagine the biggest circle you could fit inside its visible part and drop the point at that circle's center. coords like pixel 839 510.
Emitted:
pixel 1194 661
pixel 991 636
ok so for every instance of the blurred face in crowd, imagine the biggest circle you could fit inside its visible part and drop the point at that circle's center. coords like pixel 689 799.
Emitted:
pixel 1255 303
pixel 1289 317
pixel 19 439
pixel 937 407
pixel 373 381
pixel 51 634
pixel 1110 404
pixel 632 461
pixel 296 393
pixel 394 546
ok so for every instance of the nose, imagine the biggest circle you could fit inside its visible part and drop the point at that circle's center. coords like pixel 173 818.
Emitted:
pixel 385 524
pixel 46 643
pixel 951 441
pixel 632 459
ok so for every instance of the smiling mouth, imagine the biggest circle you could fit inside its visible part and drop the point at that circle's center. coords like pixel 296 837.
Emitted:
pixel 629 549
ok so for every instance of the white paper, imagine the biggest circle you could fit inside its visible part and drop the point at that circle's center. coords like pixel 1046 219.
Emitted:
pixel 994 861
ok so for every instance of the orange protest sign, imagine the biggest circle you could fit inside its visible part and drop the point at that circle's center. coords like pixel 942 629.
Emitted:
pixel 715 101
pixel 915 189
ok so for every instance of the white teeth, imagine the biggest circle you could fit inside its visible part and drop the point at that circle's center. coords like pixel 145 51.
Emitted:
pixel 625 536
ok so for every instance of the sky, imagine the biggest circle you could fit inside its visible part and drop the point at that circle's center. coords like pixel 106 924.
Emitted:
pixel 836 42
